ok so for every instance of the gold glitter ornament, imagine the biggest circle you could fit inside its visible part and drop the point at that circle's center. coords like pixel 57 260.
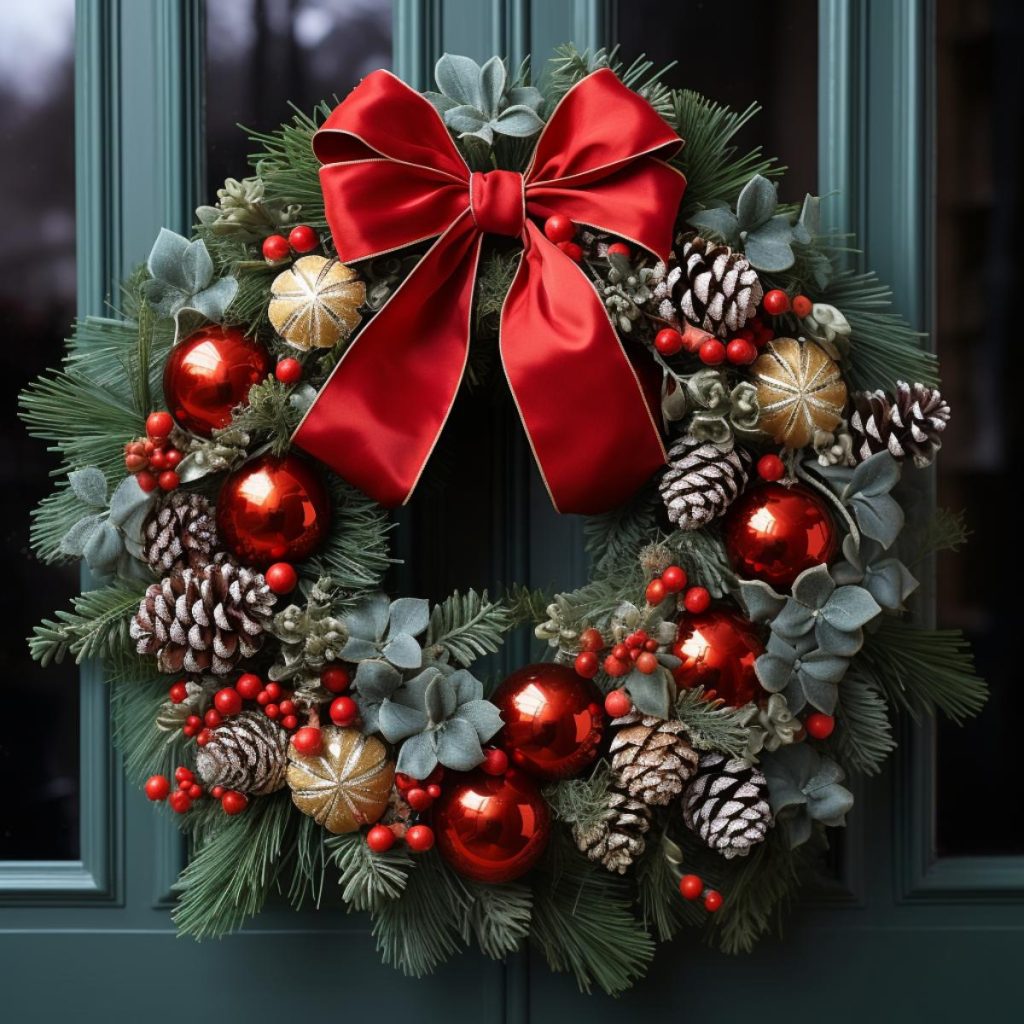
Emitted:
pixel 345 785
pixel 315 303
pixel 799 390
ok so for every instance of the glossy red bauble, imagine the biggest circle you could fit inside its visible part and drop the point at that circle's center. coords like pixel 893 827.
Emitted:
pixel 209 373
pixel 717 650
pixel 273 509
pixel 773 533
pixel 553 720
pixel 492 828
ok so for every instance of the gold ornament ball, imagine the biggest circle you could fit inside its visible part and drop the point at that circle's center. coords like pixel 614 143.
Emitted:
pixel 346 785
pixel 799 389
pixel 315 303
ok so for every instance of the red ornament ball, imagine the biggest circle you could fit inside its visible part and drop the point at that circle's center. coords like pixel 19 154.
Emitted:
pixel 282 578
pixel 717 650
pixel 802 305
pixel 209 373
pixel 697 600
pixel 691 886
pixel 586 664
pixel 158 787
pixel 302 238
pixel 820 726
pixel 771 468
pixel 276 248
pixel 492 828
pixel 618 703
pixel 233 802
pixel 668 342
pixel 380 839
pixel 773 533
pixel 228 701
pixel 712 352
pixel 288 370
pixel 419 838
pixel 553 720
pixel 335 679
pixel 776 302
pixel 249 685
pixel 159 425
pixel 343 711
pixel 273 509
pixel 308 740
pixel 559 228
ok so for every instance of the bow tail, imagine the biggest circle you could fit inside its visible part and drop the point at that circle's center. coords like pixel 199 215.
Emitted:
pixel 578 395
pixel 376 420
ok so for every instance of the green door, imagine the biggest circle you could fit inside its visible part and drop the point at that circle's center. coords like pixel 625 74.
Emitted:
pixel 915 921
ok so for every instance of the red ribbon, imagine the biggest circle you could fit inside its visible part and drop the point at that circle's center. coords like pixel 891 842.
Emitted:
pixel 392 176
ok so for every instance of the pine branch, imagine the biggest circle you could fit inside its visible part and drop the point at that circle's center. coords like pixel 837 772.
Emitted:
pixel 465 627
pixel 702 554
pixel 269 413
pixel 51 520
pixel 582 801
pixel 945 530
pixel 497 270
pixel 583 922
pixel 424 928
pixel 145 749
pixel 96 625
pixel 617 536
pixel 661 909
pixel 863 736
pixel 526 605
pixel 924 670
pixel 711 726
pixel 368 880
pixel 498 917
pixel 229 877
pixel 307 862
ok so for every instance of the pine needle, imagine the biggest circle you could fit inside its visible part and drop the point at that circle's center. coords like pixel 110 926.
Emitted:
pixel 368 879
pixel 498 917
pixel 712 726
pixel 145 749
pixel 863 737
pixel 583 801
pixel 465 627
pixel 661 909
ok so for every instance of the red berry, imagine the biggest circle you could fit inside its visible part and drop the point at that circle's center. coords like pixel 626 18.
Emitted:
pixel 168 480
pixel 618 703
pixel 178 692
pixel 712 352
pixel 183 774
pixel 691 886
pixel 157 787
pixel 404 782
pixel 288 370
pixel 635 652
pixel 620 249
pixel 434 790
pixel 820 726
pixel 308 740
pixel 771 467
pixel 217 792
pixel 272 711
pixel 248 685
pixel 647 663
pixel 343 711
pixel 495 762
pixel 228 701
pixel 212 718
pixel 273 691
pixel 616 666
pixel 233 802
pixel 740 352
pixel 418 799
pixel 195 791
pixel 572 250
pixel 591 640
pixel 559 228
pixel 186 784
pixel 656 591
pixel 712 900
pixel 146 481
pixel 180 801
pixel 635 640
pixel 437 775
pixel 275 248
pixel 620 651
pixel 587 664
pixel 651 645
pixel 159 424
pixel 302 238
pixel 289 722
pixel 172 457
pixel 287 707
pixel 641 636
pixel 802 305
pixel 776 302
pixel 192 725
pixel 697 600
pixel 674 579
pixel 158 460
pixel 281 577
pixel 204 737
pixel 263 698
pixel 668 342
pixel 419 838
pixel 380 839
pixel 335 679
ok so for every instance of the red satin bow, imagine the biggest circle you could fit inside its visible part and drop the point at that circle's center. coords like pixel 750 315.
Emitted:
pixel 392 176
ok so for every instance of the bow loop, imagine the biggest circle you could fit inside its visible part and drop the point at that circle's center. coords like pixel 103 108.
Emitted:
pixel 497 201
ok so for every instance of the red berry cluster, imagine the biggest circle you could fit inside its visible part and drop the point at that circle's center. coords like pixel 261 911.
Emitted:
pixel 301 239
pixel 562 231
pixel 153 459
pixel 158 787
pixel 776 302
pixel 671 581
pixel 636 651
pixel 692 887
pixel 419 795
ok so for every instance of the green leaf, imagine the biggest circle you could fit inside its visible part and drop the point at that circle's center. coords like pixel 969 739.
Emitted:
pixel 717 221
pixel 128 499
pixel 756 203
pixel 464 627
pixel 768 247
pixel 458 746
pixel 459 78
pixel 104 549
pixel 492 85
pixel 418 755
pixel 409 615
pixel 90 486
pixel 517 121
pixel 74 541
pixel 403 651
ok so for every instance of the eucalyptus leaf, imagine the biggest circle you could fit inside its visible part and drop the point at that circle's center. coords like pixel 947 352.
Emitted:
pixel 458 746
pixel 74 541
pixel 409 615
pixel 756 203
pixel 717 220
pixel 128 500
pixel 89 485
pixel 417 757
pixel 103 549
pixel 403 651
pixel 397 721
pixel 483 716
pixel 768 246
pixel 517 121
pixel 459 78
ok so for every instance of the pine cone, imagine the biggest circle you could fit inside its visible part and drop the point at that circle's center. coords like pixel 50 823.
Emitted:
pixel 702 481
pixel 726 805
pixel 714 287
pixel 651 758
pixel 180 533
pixel 616 840
pixel 204 620
pixel 248 753
pixel 909 423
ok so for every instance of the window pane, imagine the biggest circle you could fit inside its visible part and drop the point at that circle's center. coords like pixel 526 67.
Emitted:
pixel 39 724
pixel 978 267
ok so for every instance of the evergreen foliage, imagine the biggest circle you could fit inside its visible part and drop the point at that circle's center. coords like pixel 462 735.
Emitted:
pixel 465 627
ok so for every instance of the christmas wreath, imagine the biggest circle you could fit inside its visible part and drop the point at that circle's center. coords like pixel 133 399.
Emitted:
pixel 742 641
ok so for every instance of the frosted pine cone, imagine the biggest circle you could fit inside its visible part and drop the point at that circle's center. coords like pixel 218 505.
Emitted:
pixel 907 424
pixel 247 753
pixel 651 758
pixel 180 533
pixel 702 480
pixel 726 805
pixel 616 840
pixel 204 620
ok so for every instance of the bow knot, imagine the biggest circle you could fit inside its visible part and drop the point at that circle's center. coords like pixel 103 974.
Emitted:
pixel 497 202
pixel 392 176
